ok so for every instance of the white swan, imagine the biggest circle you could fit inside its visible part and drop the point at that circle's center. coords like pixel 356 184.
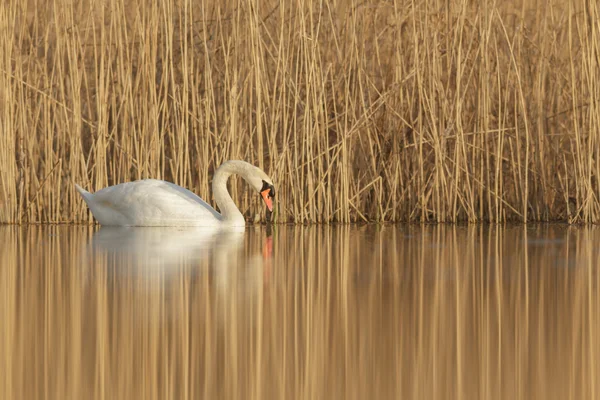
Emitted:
pixel 151 202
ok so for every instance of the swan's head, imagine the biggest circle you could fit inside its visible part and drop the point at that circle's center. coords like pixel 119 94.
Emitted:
pixel 252 174
pixel 268 194
pixel 263 185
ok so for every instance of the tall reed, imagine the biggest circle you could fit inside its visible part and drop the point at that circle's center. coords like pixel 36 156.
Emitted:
pixel 396 111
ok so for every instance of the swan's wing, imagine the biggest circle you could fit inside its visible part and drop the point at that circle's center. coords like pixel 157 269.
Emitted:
pixel 150 202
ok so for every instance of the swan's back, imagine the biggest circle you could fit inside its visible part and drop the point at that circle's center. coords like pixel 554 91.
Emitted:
pixel 149 202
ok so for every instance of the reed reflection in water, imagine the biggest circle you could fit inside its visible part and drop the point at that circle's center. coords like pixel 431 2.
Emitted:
pixel 379 312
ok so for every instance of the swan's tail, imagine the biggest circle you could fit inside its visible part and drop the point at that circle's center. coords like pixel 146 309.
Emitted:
pixel 88 198
pixel 84 193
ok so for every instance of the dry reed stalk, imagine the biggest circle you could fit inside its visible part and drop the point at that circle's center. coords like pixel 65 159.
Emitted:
pixel 402 111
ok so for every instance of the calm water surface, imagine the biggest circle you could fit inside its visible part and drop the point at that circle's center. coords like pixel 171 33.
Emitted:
pixel 372 312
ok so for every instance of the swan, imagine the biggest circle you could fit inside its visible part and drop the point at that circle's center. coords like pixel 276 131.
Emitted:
pixel 152 202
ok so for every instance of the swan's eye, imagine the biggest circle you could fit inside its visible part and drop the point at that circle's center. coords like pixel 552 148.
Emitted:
pixel 272 192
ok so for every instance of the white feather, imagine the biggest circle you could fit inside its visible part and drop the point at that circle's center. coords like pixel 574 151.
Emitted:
pixel 152 202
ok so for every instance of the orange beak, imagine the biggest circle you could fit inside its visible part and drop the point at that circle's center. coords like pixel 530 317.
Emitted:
pixel 268 200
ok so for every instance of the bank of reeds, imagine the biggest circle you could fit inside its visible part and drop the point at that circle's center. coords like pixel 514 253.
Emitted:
pixel 380 110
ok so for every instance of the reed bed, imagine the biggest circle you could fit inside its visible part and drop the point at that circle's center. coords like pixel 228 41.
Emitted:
pixel 398 110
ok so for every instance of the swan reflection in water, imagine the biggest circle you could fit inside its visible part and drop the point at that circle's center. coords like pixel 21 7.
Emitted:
pixel 169 252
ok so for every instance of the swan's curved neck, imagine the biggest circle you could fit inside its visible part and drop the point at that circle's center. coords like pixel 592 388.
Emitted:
pixel 231 214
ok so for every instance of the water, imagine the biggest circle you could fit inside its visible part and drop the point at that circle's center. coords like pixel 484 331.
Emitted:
pixel 431 312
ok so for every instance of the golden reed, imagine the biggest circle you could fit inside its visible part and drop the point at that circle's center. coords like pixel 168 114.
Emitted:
pixel 401 110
